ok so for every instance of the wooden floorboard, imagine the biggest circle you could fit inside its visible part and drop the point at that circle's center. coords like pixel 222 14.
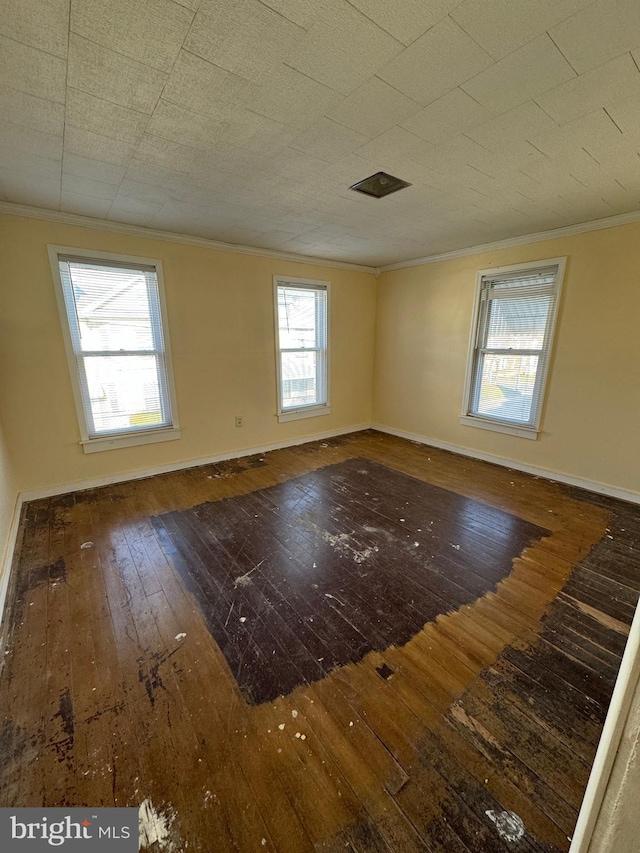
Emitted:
pixel 360 643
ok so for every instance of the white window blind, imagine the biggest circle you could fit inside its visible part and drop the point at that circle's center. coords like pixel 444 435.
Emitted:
pixel 515 318
pixel 302 345
pixel 115 323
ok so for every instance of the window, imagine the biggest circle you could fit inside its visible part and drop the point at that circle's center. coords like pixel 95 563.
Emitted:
pixel 112 316
pixel 511 346
pixel 301 342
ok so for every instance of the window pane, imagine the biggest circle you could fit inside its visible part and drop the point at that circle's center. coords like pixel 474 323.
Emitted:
pixel 113 307
pixel 124 392
pixel 297 316
pixel 506 387
pixel 300 385
pixel 517 323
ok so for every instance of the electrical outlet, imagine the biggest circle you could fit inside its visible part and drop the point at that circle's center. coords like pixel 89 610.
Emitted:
pixel 239 421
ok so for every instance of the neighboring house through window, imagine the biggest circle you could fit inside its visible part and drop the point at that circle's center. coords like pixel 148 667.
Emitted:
pixel 114 324
pixel 302 347
pixel 510 347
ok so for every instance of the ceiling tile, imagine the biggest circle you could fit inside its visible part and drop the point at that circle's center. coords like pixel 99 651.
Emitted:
pixel 456 152
pixel 149 31
pixel 163 177
pixel 373 108
pixel 600 32
pixel 626 114
pixel 242 36
pixel 97 147
pixel 524 74
pixel 258 133
pixel 396 142
pixel 32 71
pixel 552 174
pixel 501 26
pixel 611 82
pixel 88 112
pixel 87 186
pixel 327 140
pixel 202 87
pixel 241 235
pixel 29 111
pixel 132 210
pixel 22 161
pixel 86 167
pixel 26 187
pixel 43 24
pixel 113 77
pixel 200 220
pixel 31 141
pixel 595 132
pixel 500 134
pixel 438 61
pixel 343 48
pixel 164 152
pixel 181 125
pixel 405 20
pixel 140 191
pixel 443 119
pixel 84 205
pixel 292 98
pixel 294 164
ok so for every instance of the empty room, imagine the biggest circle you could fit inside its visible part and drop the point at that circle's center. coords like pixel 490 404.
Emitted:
pixel 319 423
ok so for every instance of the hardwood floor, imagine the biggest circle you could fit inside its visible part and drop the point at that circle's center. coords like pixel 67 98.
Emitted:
pixel 361 644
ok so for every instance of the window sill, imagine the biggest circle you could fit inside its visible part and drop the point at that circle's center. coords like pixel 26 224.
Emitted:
pixel 299 414
pixel 112 442
pixel 498 426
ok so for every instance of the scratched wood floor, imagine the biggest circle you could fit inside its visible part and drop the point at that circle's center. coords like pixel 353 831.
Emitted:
pixel 361 644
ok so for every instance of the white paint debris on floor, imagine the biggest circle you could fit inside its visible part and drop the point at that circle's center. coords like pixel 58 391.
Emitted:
pixel 86 545
pixel 509 825
pixel 181 635
pixel 245 579
pixel 343 543
pixel 156 827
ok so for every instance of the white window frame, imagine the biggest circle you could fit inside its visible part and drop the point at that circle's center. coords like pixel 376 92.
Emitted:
pixel 467 418
pixel 313 410
pixel 119 439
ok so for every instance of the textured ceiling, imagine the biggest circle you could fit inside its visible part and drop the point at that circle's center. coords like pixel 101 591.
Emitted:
pixel 247 120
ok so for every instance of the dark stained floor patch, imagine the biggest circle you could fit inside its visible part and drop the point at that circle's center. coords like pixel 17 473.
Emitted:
pixel 313 573
pixel 384 671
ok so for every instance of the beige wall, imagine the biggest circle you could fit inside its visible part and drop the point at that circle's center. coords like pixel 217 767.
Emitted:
pixel 591 418
pixel 221 321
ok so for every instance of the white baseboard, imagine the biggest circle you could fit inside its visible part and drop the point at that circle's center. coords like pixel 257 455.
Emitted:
pixel 141 473
pixel 548 474
pixel 7 559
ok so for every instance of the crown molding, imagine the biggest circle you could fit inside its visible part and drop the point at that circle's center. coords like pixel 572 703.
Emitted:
pixel 189 240
pixel 538 237
pixel 172 237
